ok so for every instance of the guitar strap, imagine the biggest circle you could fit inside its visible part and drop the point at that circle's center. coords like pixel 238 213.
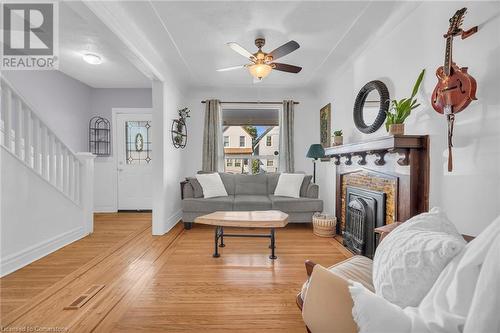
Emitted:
pixel 451 121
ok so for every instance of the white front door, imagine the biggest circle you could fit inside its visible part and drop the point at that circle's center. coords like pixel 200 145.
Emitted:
pixel 134 161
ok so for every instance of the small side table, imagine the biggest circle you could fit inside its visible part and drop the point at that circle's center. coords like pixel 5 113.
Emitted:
pixel 383 231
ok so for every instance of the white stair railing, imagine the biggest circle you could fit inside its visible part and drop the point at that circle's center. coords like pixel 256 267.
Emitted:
pixel 29 139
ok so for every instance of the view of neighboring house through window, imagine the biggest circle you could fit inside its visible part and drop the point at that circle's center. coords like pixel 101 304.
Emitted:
pixel 251 140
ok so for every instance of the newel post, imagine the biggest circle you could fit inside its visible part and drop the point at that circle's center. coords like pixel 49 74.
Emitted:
pixel 87 189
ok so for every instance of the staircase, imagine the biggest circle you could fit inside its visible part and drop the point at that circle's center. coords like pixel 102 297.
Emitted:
pixel 46 188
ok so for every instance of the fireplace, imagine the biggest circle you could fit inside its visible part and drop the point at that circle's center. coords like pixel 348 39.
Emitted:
pixel 388 181
pixel 364 211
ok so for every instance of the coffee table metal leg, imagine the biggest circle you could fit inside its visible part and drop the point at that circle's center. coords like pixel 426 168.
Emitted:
pixel 216 239
pixel 222 237
pixel 273 245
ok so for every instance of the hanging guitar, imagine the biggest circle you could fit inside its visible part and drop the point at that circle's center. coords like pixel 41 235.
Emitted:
pixel 455 88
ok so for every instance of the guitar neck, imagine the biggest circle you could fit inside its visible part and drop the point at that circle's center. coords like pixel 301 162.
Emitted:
pixel 447 56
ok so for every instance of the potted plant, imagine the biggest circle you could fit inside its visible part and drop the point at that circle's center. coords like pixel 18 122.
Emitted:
pixel 400 110
pixel 338 139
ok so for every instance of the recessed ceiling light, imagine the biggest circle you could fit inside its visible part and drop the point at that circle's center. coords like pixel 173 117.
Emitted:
pixel 92 58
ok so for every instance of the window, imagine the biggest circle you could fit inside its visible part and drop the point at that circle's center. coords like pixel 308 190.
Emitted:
pixel 250 136
pixel 138 142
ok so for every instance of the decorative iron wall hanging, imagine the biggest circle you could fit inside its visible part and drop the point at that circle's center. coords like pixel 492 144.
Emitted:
pixel 179 129
pixel 99 136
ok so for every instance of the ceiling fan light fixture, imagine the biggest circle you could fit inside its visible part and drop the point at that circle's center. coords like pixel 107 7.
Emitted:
pixel 259 71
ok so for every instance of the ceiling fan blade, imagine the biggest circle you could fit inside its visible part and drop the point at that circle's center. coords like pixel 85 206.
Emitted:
pixel 230 68
pixel 284 49
pixel 239 49
pixel 286 67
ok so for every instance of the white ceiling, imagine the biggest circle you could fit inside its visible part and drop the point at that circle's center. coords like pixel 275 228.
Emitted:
pixel 190 37
pixel 200 31
pixel 81 31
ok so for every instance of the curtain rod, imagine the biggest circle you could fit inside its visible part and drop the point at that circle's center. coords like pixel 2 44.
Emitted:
pixel 251 102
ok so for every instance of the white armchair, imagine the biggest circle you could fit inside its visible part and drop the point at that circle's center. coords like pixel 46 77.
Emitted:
pixel 325 299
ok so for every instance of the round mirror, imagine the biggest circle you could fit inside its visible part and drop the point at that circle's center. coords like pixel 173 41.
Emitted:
pixel 371 106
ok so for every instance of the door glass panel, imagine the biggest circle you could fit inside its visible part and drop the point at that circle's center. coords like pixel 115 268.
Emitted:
pixel 138 142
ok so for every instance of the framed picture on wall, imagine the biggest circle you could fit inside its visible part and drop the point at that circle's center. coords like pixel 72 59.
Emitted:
pixel 325 118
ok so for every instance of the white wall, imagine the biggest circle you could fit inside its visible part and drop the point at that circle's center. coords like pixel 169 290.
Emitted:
pixel 471 193
pixel 66 106
pixel 61 102
pixel 37 219
pixel 306 119
pixel 102 101
pixel 170 165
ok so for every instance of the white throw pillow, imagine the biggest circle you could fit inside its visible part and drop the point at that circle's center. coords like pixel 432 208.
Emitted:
pixel 289 185
pixel 212 185
pixel 409 260
pixel 373 314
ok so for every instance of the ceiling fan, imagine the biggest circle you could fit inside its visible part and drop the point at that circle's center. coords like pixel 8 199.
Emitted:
pixel 261 62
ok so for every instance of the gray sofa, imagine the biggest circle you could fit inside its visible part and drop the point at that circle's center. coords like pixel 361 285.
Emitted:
pixel 250 192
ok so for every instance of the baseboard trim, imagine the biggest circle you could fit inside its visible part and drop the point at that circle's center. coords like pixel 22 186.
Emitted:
pixel 168 224
pixel 25 257
pixel 105 209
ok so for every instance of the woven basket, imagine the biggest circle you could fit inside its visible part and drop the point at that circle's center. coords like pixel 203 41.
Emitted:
pixel 324 225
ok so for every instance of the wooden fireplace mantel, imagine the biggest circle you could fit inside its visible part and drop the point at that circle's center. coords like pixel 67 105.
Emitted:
pixel 408 171
pixel 401 144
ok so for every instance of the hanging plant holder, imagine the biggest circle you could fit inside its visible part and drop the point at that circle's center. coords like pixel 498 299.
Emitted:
pixel 179 129
pixel 99 136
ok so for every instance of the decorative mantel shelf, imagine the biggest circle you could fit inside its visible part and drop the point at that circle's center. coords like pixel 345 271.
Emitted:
pixel 371 165
pixel 401 144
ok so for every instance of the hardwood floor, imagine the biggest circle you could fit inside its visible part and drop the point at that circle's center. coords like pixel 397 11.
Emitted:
pixel 166 283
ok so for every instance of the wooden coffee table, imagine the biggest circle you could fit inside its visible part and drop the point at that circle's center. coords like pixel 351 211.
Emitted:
pixel 255 219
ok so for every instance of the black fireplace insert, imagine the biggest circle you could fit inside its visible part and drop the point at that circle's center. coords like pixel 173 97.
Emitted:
pixel 364 211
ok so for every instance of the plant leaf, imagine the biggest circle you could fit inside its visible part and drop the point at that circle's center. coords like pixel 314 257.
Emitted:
pixel 417 84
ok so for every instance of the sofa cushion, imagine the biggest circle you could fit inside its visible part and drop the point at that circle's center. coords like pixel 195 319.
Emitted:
pixel 289 185
pixel 251 202
pixel 251 184
pixel 305 185
pixel 197 189
pixel 287 204
pixel 212 185
pixel 208 205
pixel 272 181
pixel 228 181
